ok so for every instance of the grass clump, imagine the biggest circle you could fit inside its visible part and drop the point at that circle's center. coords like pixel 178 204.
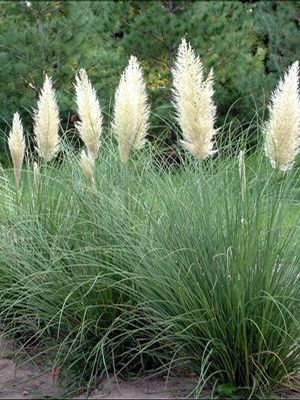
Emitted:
pixel 134 267
pixel 222 278
pixel 197 265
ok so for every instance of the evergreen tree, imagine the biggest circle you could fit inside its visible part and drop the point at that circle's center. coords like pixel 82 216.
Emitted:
pixel 248 44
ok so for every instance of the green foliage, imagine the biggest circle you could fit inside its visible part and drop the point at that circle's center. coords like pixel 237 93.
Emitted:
pixel 227 390
pixel 157 267
pixel 236 39
pixel 57 38
pixel 213 279
pixel 248 45
pixel 160 265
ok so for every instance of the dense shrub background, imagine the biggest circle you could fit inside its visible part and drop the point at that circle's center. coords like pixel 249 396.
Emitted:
pixel 248 43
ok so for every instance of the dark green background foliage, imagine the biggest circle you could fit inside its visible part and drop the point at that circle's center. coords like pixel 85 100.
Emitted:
pixel 248 44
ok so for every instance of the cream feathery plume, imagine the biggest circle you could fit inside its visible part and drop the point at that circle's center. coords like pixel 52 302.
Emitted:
pixel 282 131
pixel 193 101
pixel 46 122
pixel 16 144
pixel 87 165
pixel 36 175
pixel 90 127
pixel 131 111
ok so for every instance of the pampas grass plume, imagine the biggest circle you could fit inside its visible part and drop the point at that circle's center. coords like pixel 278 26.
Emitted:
pixel 282 131
pixel 16 144
pixel 36 175
pixel 46 122
pixel 193 101
pixel 87 166
pixel 131 111
pixel 90 126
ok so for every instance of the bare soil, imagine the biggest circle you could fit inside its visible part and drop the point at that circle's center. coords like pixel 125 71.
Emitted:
pixel 146 388
pixel 26 381
pixel 23 381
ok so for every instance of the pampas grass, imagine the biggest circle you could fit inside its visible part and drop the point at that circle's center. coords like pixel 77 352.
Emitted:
pixel 155 262
pixel 90 126
pixel 87 165
pixel 131 111
pixel 282 131
pixel 193 101
pixel 16 144
pixel 36 175
pixel 193 267
pixel 46 122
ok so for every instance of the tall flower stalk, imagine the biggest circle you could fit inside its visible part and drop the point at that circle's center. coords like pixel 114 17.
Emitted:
pixel 46 122
pixel 90 126
pixel 193 100
pixel 131 111
pixel 282 131
pixel 16 144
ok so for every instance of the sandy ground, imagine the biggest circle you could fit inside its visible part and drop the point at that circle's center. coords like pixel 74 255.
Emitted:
pixel 146 388
pixel 25 381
